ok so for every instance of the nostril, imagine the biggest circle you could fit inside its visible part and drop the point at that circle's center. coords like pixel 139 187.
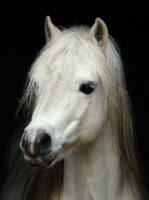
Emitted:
pixel 45 142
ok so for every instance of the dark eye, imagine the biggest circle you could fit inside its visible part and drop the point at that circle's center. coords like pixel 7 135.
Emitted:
pixel 87 88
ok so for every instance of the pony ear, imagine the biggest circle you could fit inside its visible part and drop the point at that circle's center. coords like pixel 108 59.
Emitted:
pixel 51 31
pixel 99 33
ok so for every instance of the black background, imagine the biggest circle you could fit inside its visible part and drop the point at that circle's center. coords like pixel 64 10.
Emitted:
pixel 22 37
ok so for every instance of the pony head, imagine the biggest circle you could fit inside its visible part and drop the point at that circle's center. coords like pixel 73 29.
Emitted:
pixel 73 86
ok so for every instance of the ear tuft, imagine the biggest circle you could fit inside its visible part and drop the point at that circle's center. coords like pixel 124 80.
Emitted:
pixel 99 33
pixel 51 31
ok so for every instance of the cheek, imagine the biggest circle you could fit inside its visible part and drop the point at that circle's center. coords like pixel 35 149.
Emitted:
pixel 93 121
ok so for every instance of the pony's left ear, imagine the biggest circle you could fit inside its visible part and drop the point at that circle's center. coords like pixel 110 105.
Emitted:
pixel 51 31
pixel 99 33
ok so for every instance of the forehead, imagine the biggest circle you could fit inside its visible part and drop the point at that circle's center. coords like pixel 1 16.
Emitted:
pixel 75 67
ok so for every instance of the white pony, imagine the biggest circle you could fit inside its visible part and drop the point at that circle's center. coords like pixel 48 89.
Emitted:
pixel 80 132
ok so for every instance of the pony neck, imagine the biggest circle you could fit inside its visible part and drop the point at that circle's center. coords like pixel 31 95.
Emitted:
pixel 97 172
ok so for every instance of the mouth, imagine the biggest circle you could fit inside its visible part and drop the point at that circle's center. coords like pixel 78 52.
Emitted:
pixel 41 163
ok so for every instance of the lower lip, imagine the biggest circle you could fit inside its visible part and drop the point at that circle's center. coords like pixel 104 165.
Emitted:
pixel 43 164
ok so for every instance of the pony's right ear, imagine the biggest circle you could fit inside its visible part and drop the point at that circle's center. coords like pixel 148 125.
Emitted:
pixel 51 31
